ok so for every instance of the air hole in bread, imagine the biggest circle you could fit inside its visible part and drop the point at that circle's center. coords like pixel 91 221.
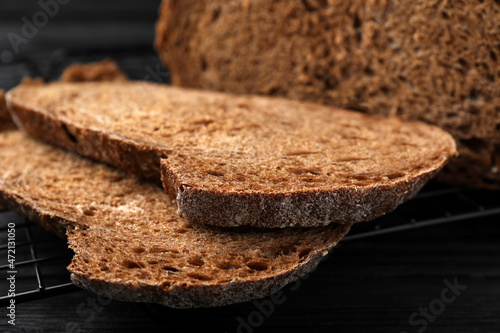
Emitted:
pixel 130 264
pixel 297 171
pixel 90 211
pixel 203 64
pixel 170 269
pixel 257 266
pixel 283 251
pixel 116 178
pixel 198 276
pixel 363 177
pixel 166 284
pixel 138 249
pixel 216 173
pixel 157 249
pixel 70 135
pixel 104 268
pixel 493 55
pixel 196 261
pixel 395 175
pixel 474 110
pixel 304 253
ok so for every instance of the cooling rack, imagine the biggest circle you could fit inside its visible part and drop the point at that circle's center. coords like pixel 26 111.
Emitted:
pixel 41 257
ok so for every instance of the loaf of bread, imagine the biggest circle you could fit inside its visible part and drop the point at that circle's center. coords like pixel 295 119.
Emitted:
pixel 436 61
pixel 240 160
pixel 130 244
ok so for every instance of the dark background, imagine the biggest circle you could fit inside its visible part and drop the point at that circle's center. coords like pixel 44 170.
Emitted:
pixel 82 25
pixel 368 285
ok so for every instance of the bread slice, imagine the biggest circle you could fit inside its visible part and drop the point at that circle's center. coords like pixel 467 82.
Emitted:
pixel 240 160
pixel 436 61
pixel 129 243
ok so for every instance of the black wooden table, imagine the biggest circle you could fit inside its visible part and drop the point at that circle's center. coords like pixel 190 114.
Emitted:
pixel 442 278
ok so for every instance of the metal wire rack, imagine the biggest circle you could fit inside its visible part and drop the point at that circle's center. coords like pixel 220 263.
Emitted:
pixel 41 257
pixel 39 260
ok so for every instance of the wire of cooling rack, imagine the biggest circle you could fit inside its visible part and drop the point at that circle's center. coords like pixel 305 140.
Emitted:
pixel 436 204
pixel 28 264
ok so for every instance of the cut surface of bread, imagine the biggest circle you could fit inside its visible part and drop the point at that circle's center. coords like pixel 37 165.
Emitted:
pixel 240 160
pixel 436 61
pixel 130 244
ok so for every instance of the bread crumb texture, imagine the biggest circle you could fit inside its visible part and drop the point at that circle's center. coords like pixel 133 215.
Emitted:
pixel 241 160
pixel 130 244
pixel 435 61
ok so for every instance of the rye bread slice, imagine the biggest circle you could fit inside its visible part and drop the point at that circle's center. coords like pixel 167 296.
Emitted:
pixel 240 160
pixel 130 244
pixel 436 61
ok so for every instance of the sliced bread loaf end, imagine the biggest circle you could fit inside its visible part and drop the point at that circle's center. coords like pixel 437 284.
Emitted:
pixel 129 243
pixel 240 160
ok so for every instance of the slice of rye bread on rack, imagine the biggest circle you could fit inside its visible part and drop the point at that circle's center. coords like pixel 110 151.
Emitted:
pixel 240 160
pixel 130 244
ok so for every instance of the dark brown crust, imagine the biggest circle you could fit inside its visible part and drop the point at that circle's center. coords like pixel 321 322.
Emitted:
pixel 207 296
pixel 341 206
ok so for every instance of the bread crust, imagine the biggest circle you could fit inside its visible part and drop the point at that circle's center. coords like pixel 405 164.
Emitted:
pixel 279 210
